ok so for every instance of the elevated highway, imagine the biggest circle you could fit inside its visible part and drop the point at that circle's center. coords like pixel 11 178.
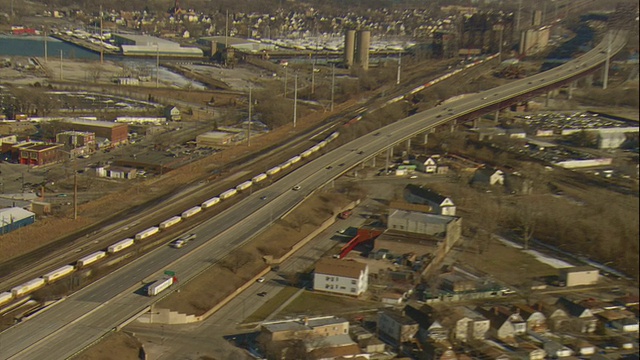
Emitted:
pixel 84 317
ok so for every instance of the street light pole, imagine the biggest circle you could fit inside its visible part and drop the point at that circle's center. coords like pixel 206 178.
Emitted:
pixel 295 100
pixel 249 122
pixel 333 83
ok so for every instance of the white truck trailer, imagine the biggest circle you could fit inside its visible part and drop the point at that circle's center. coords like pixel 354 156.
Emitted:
pixel 159 286
pixel 170 222
pixel 91 258
pixel 58 273
pixel 146 233
pixel 120 245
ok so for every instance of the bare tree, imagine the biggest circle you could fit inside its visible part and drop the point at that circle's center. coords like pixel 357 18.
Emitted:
pixel 526 217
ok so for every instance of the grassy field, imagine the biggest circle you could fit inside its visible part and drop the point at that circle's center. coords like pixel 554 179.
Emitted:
pixel 313 303
pixel 271 305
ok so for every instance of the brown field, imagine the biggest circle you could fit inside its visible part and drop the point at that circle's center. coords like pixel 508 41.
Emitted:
pixel 116 345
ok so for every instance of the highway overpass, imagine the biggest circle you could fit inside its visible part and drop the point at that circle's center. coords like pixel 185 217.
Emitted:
pixel 84 317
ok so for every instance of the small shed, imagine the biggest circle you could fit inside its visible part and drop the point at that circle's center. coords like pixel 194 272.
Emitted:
pixel 41 207
pixel 15 218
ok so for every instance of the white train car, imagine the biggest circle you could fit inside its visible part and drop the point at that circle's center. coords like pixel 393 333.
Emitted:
pixel 227 194
pixel 190 212
pixel 209 203
pixel 306 153
pixel 273 170
pixel 27 287
pixel 120 245
pixel 170 222
pixel 322 144
pixel 285 164
pixel 315 148
pixel 244 186
pixel 91 258
pixel 58 273
pixel 146 233
pixel 5 297
pixel 295 159
pixel 334 135
pixel 259 177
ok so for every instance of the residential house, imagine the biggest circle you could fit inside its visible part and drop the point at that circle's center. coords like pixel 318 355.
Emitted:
pixel 528 351
pixel 536 321
pixel 429 327
pixel 583 348
pixel 330 347
pixel 440 204
pixel 395 327
pixel 172 113
pixel 426 164
pixel 466 324
pixel 505 325
pixel 346 277
pixel 621 320
pixel 582 318
pixel 487 176
pixel 555 349
pixel 557 319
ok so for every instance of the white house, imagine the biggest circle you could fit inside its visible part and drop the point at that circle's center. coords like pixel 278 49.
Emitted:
pixel 347 277
pixel 426 164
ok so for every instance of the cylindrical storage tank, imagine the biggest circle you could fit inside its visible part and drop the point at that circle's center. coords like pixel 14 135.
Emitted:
pixel 349 47
pixel 146 233
pixel 169 222
pixel 189 213
pixel 27 287
pixel 306 153
pixel 210 202
pixel 244 186
pixel 259 177
pixel 227 194
pixel 58 273
pixel 363 42
pixel 84 261
pixel 120 245
pixel 5 297
pixel 273 170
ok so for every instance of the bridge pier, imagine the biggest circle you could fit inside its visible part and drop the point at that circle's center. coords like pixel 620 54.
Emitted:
pixel 570 93
pixel 546 100
pixel 408 145
pixel 386 165
pixel 476 122
pixel 453 125
pixel 497 116
pixel 426 135
pixel 373 161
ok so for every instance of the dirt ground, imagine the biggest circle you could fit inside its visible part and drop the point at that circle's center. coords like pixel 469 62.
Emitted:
pixel 118 345
pixel 244 263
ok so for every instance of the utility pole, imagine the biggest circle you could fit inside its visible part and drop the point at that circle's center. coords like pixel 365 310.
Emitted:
pixel 313 77
pixel 75 191
pixel 285 82
pixel 399 66
pixel 249 122
pixel 226 32
pixel 333 83
pixel 45 44
pixel 605 79
pixel 157 65
pixel 101 40
pixel 517 29
pixel 61 65
pixel 295 100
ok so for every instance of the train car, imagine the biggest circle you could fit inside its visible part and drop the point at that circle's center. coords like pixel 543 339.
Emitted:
pixel 190 212
pixel 306 153
pixel 91 258
pixel 146 233
pixel 273 170
pixel 227 194
pixel 209 203
pixel 259 177
pixel 285 165
pixel 295 159
pixel 334 135
pixel 314 148
pixel 170 222
pixel 58 273
pixel 5 297
pixel 27 287
pixel 120 245
pixel 322 144
pixel 244 186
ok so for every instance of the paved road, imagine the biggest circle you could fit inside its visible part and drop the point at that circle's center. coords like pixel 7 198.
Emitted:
pixel 85 316
pixel 206 338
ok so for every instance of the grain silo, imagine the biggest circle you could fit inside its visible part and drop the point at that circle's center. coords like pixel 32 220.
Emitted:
pixel 363 41
pixel 349 47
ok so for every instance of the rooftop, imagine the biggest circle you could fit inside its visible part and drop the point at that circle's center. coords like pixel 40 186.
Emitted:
pixel 425 193
pixel 97 123
pixel 422 217
pixel 7 216
pixel 344 268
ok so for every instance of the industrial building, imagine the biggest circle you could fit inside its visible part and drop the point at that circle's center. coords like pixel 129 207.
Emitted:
pixel 144 45
pixel 356 49
pixel 534 40
pixel 116 133
pixel 15 218
pixel 77 142
pixel 346 277
pixel 440 204
pixel 421 223
pixel 214 139
pixel 40 154
pixel 219 44
pixel 579 275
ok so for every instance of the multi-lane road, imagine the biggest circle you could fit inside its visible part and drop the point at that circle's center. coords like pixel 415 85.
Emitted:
pixel 75 323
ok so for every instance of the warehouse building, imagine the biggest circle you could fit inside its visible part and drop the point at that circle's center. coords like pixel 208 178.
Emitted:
pixel 214 139
pixel 15 218
pixel 144 45
pixel 440 204
pixel 579 275
pixel 116 133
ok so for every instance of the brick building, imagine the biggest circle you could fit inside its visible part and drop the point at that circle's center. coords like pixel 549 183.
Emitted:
pixel 40 154
pixel 116 133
